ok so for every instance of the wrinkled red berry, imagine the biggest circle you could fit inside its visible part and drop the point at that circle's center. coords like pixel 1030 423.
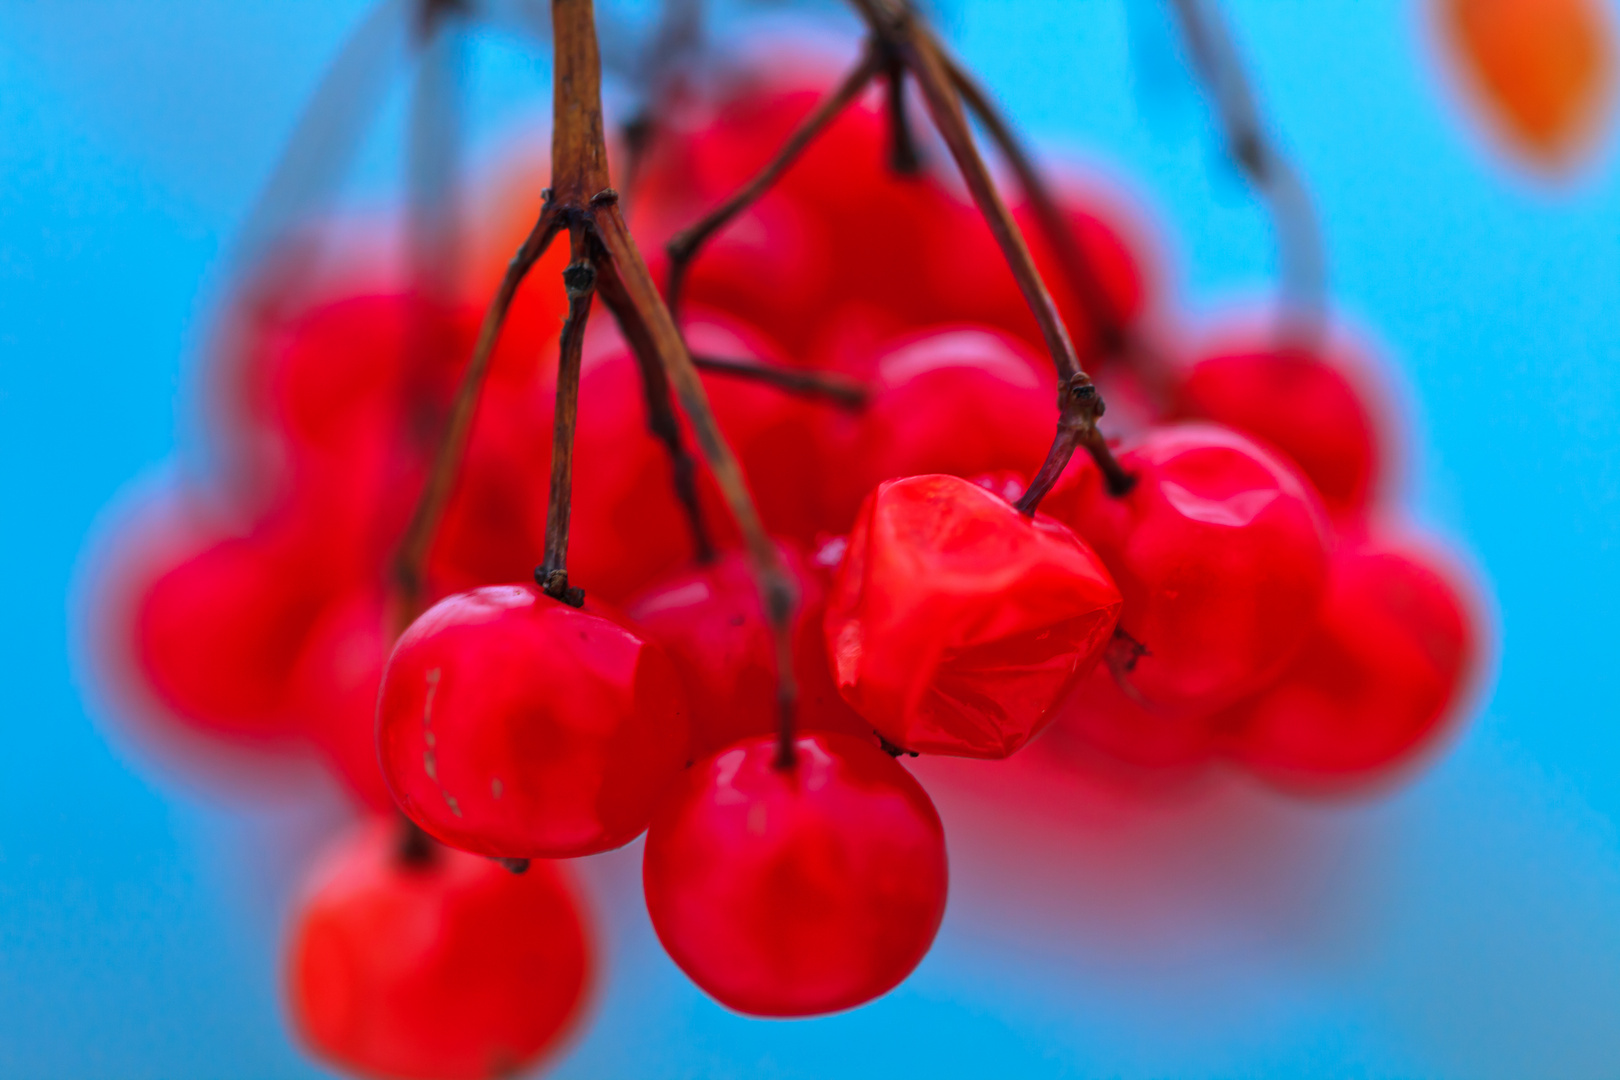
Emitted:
pixel 444 966
pixel 1220 550
pixel 797 891
pixel 1390 654
pixel 513 725
pixel 955 623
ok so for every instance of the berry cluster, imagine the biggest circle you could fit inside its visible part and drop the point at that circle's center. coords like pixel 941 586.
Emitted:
pixel 1231 592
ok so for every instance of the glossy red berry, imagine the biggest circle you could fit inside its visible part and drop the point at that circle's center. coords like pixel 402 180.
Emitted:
pixel 955 623
pixel 710 622
pixel 1220 550
pixel 1302 404
pixel 961 402
pixel 1390 655
pixel 434 966
pixel 796 891
pixel 513 725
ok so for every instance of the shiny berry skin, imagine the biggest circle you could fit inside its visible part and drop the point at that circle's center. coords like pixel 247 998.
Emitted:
pixel 1392 651
pixel 513 725
pixel 1221 552
pixel 800 891
pixel 955 623
pixel 709 621
pixel 1544 69
pixel 961 401
pixel 332 692
pixel 442 967
pixel 1303 405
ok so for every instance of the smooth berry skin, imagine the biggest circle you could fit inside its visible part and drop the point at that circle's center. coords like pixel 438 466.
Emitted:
pixel 955 624
pixel 962 402
pixel 797 891
pixel 332 692
pixel 1303 405
pixel 710 622
pixel 1389 658
pixel 448 968
pixel 218 633
pixel 515 726
pixel 1221 552
pixel 1128 730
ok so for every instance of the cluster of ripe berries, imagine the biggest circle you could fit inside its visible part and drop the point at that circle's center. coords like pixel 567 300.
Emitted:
pixel 1245 601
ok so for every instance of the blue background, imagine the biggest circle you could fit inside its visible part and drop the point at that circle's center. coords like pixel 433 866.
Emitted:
pixel 1466 926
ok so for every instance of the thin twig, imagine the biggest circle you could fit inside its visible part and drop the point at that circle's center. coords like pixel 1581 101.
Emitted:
pixel 904 157
pixel 1272 176
pixel 410 559
pixel 684 245
pixel 1112 333
pixel 579 279
pixel 649 326
pixel 839 389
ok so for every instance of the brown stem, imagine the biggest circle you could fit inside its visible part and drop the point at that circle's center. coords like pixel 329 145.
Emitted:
pixel 839 389
pixel 650 328
pixel 1112 333
pixel 684 245
pixel 410 558
pixel 1271 175
pixel 896 24
pixel 904 157
pixel 580 281
pixel 1077 426
pixel 899 26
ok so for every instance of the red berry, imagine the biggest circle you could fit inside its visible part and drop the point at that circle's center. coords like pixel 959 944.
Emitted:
pixel 515 726
pixel 955 623
pixel 332 692
pixel 960 402
pixel 1221 552
pixel 217 634
pixel 1391 651
pixel 1103 715
pixel 709 621
pixel 441 966
pixel 798 891
pixel 1304 405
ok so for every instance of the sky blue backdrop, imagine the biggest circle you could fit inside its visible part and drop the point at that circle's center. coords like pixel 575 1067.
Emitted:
pixel 1469 926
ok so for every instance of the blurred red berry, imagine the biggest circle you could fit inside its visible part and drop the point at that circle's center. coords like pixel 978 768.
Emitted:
pixel 796 891
pixel 1390 654
pixel 332 692
pixel 955 623
pixel 1296 402
pixel 513 725
pixel 434 966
